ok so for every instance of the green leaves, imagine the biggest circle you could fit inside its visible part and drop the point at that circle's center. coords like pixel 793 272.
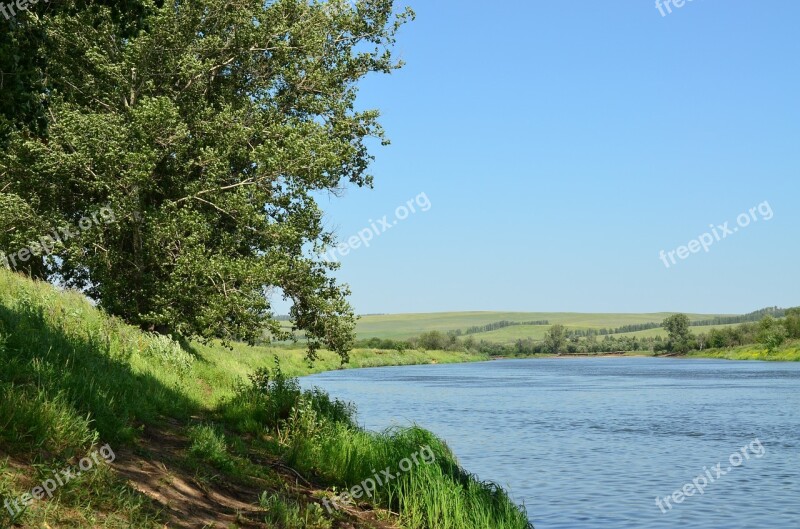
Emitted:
pixel 677 326
pixel 556 339
pixel 772 333
pixel 208 126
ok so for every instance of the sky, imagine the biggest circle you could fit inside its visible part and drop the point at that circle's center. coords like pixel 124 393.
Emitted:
pixel 559 147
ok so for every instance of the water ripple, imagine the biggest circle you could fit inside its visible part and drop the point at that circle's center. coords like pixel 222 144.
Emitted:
pixel 590 443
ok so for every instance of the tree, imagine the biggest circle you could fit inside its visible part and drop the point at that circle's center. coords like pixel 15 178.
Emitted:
pixel 555 339
pixel 792 323
pixel 771 333
pixel 208 131
pixel 717 338
pixel 680 337
pixel 26 45
pixel 468 343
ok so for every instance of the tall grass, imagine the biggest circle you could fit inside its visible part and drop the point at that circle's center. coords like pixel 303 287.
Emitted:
pixel 440 495
pixel 788 352
pixel 69 365
pixel 320 438
pixel 69 378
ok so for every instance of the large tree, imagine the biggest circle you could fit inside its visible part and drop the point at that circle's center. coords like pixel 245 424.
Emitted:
pixel 792 323
pixel 555 339
pixel 771 332
pixel 25 48
pixel 208 128
pixel 680 337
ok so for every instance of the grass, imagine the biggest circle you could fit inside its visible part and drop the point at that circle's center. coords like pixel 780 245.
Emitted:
pixel 217 370
pixel 209 445
pixel 72 379
pixel 291 513
pixel 436 492
pixel 321 439
pixel 788 353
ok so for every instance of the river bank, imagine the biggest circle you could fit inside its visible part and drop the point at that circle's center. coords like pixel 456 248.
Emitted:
pixel 786 353
pixel 205 435
pixel 294 363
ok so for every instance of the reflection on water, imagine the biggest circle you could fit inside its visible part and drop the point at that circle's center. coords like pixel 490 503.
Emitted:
pixel 590 443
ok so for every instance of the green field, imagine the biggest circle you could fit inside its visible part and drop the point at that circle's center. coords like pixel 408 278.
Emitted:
pixel 404 326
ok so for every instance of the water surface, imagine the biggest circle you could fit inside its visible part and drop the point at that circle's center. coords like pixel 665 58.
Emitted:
pixel 590 443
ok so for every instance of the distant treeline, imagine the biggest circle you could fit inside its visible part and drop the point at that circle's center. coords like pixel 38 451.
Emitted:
pixel 754 316
pixel 585 333
pixel 609 344
pixel 757 315
pixel 477 329
pixel 436 340
pixel 751 317
pixel 767 331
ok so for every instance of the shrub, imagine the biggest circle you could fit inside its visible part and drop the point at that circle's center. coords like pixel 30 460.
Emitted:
pixel 208 445
pixel 272 399
pixel 168 353
pixel 291 514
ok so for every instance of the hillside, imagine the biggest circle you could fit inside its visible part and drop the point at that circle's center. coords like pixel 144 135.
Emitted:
pixel 404 326
pixel 148 434
pixel 522 334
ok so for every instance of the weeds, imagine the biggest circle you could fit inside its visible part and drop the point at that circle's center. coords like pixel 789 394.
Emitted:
pixel 208 444
pixel 319 437
pixel 290 514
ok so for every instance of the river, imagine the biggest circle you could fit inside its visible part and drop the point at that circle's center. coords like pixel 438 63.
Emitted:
pixel 592 442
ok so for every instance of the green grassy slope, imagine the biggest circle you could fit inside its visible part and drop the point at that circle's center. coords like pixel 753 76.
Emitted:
pixel 220 368
pixel 188 426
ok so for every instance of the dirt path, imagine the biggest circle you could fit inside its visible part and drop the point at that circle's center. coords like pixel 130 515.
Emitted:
pixel 190 503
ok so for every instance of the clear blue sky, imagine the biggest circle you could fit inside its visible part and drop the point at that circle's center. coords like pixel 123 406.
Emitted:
pixel 564 144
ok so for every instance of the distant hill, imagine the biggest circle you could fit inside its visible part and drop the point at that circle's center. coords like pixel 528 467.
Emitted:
pixel 403 326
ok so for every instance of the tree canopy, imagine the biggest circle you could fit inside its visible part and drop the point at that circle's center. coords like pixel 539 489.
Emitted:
pixel 680 336
pixel 208 128
pixel 555 339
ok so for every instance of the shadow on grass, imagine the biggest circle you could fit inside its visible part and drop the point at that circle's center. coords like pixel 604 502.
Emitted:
pixel 64 384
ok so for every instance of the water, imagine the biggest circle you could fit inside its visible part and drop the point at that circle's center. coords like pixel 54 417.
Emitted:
pixel 590 443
